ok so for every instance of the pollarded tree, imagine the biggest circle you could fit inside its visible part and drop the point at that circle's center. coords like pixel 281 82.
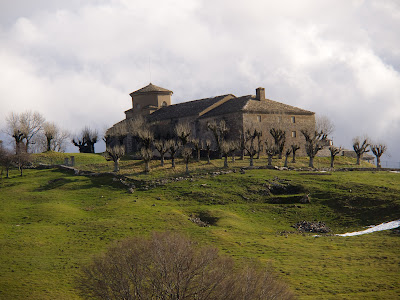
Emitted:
pixel 14 129
pixel 162 147
pixel 183 132
pixel 6 160
pixel 196 147
pixel 116 152
pixel 270 150
pixel 242 142
pixel 207 146
pixel 219 131
pixel 287 154
pixel 31 124
pixel 22 160
pixel 314 142
pixel 226 148
pixel 294 147
pixel 334 151
pixel 186 155
pixel 279 137
pixel 173 146
pixel 86 140
pixel 52 138
pixel 378 150
pixel 360 146
pixel 250 145
pixel 146 137
pixel 259 142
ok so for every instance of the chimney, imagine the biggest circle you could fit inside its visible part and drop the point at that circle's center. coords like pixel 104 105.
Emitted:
pixel 260 94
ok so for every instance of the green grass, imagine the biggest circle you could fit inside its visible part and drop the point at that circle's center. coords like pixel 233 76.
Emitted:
pixel 52 222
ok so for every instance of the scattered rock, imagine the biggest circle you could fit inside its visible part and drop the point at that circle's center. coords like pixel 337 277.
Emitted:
pixel 131 190
pixel 154 204
pixel 317 227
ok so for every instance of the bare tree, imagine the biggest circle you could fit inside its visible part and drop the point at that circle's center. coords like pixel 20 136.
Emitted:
pixel 146 137
pixel 116 134
pixel 31 124
pixel 324 124
pixel 271 150
pixel 197 147
pixel 14 129
pixel 334 151
pixel 86 140
pixel 219 130
pixel 287 154
pixel 186 155
pixel 162 147
pixel 360 146
pixel 6 159
pixel 173 146
pixel 378 150
pixel 279 137
pixel 226 148
pixel 250 146
pixel 170 266
pixel 314 142
pixel 207 146
pixel 52 138
pixel 294 147
pixel 183 132
pixel 116 152
pixel 22 159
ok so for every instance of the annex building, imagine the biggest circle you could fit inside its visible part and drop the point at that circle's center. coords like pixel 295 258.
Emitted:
pixel 154 103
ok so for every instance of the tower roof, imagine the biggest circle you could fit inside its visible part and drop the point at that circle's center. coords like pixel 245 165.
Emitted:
pixel 151 88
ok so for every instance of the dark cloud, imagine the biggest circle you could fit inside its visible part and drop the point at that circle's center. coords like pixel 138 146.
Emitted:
pixel 77 60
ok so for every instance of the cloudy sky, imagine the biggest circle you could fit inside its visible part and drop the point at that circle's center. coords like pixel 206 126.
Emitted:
pixel 77 61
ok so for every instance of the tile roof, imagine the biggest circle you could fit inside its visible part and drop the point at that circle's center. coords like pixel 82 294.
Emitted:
pixel 249 103
pixel 151 88
pixel 185 109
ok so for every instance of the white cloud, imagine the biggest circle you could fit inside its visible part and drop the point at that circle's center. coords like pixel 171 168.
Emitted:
pixel 79 60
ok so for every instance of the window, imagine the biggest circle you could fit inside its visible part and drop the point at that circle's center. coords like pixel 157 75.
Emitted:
pixel 293 134
pixel 293 119
pixel 259 118
pixel 164 104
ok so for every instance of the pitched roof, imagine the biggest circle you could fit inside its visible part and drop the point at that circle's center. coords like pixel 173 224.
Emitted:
pixel 151 88
pixel 249 103
pixel 185 109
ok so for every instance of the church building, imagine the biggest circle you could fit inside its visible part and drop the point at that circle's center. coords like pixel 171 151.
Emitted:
pixel 154 103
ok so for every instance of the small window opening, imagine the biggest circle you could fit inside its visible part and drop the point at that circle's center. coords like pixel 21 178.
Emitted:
pixel 293 119
pixel 293 134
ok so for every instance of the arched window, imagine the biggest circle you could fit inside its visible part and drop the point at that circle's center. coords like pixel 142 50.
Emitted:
pixel 164 104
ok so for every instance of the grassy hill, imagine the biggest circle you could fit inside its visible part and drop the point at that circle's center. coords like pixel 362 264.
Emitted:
pixel 52 222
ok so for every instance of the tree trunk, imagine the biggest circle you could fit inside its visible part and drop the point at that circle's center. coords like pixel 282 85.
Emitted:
pixel 20 169
pixel 146 166
pixel 286 161
pixel 198 154
pixel 48 144
pixel 208 157
pixel 187 167
pixel 269 160
pixel 173 162
pixel 162 160
pixel 378 162
pixel 311 164
pixel 294 157
pixel 116 165
pixel 358 159
pixel 242 155
pixel 225 161
pixel 251 161
pixel 332 161
pixel 7 172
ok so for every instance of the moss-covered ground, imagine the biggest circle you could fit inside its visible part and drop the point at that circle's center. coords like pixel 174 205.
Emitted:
pixel 52 222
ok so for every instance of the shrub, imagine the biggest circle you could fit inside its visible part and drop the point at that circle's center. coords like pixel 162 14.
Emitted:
pixel 170 266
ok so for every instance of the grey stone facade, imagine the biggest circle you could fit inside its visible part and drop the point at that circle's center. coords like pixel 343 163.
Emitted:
pixel 154 103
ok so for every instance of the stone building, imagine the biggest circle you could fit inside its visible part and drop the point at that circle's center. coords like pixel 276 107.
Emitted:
pixel 154 103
